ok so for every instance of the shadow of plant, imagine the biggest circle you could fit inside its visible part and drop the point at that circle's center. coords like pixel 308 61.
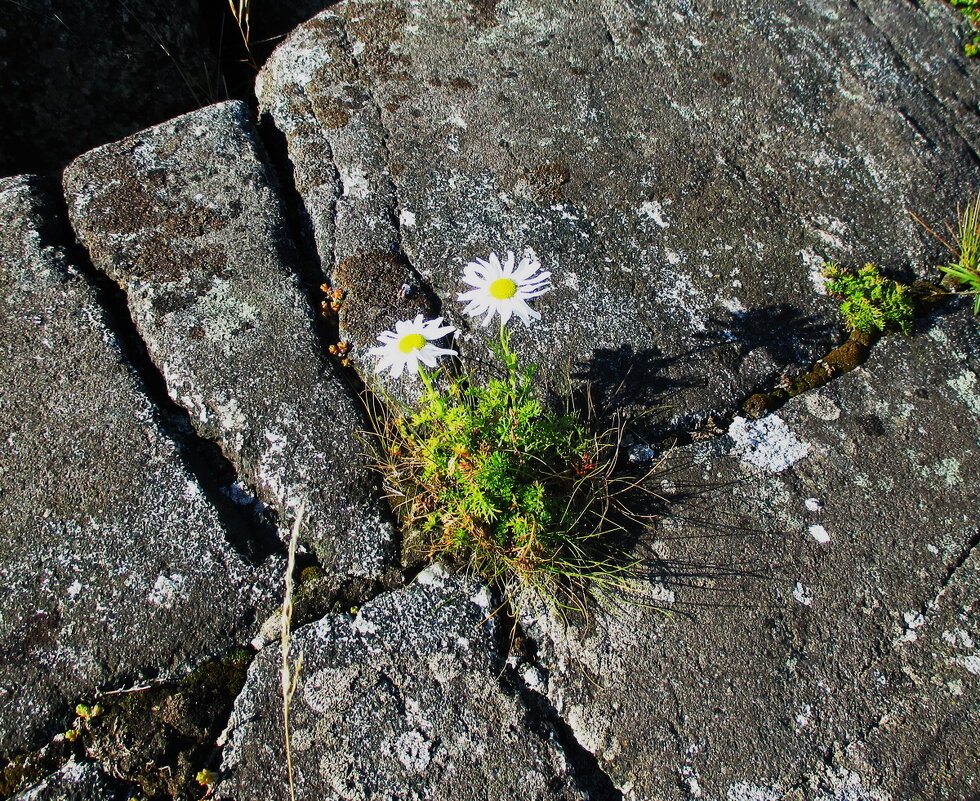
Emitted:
pixel 787 335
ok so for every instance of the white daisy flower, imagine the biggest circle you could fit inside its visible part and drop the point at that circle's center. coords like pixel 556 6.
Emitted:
pixel 411 343
pixel 504 288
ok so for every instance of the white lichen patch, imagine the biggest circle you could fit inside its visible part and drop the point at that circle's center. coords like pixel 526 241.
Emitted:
pixel 814 267
pixel 355 180
pixel 819 533
pixel 407 218
pixel 821 406
pixel 767 443
pixel 813 505
pixel 482 598
pixel 947 470
pixel 661 594
pixel 364 626
pixel 802 595
pixel 166 590
pixel 971 663
pixel 751 791
pixel 414 751
pixel 653 210
pixel 803 717
pixel 433 576
pixel 958 638
pixel 965 387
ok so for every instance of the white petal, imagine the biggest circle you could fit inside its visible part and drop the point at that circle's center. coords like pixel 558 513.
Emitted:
pixel 428 359
pixel 505 313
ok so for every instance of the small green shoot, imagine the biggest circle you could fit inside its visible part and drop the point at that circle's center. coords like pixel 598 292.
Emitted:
pixel 870 303
pixel 971 10
pixel 966 248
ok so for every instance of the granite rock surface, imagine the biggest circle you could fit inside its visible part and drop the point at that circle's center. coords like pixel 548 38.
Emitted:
pixel 186 217
pixel 402 701
pixel 683 174
pixel 115 565
pixel 817 581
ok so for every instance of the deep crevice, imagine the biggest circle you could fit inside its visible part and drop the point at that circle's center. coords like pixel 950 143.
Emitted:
pixel 249 527
pixel 300 230
pixel 544 718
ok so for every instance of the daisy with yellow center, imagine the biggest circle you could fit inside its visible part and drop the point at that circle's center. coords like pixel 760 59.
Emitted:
pixel 504 288
pixel 410 344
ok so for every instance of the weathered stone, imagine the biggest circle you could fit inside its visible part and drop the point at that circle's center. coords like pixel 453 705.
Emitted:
pixel 115 567
pixel 820 582
pixel 683 175
pixel 78 73
pixel 186 217
pixel 402 701
pixel 77 781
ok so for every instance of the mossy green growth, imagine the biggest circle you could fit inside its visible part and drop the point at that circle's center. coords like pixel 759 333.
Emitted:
pixel 484 475
pixel 970 10
pixel 870 302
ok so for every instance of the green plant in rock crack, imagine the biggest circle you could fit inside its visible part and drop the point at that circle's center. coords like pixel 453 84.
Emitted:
pixel 870 302
pixel 971 10
pixel 964 270
pixel 483 475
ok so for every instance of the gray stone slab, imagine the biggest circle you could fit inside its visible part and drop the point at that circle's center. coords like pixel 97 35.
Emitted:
pixel 403 701
pixel 114 565
pixel 78 73
pixel 683 175
pixel 818 572
pixel 186 217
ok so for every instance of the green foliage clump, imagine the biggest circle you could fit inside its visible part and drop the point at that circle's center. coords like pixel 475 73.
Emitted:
pixel 486 477
pixel 870 302
pixel 971 10
pixel 966 268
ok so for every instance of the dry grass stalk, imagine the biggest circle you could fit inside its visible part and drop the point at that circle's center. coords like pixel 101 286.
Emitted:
pixel 289 673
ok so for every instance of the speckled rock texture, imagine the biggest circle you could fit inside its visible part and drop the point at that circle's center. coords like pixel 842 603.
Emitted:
pixel 402 702
pixel 186 217
pixel 114 566
pixel 819 573
pixel 682 171
pixel 77 781
pixel 75 74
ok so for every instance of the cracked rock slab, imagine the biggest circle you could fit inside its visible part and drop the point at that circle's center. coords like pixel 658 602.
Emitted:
pixel 115 566
pixel 819 571
pixel 187 218
pixel 403 701
pixel 683 175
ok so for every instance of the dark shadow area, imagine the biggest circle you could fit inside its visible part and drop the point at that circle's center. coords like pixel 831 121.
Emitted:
pixel 789 336
pixel 624 387
pixel 75 74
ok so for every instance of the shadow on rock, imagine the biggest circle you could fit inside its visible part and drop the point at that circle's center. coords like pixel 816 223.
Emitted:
pixel 618 384
pixel 787 335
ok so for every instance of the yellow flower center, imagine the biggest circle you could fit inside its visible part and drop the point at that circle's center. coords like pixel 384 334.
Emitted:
pixel 503 288
pixel 411 342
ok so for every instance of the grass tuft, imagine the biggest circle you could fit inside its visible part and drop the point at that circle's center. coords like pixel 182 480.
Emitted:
pixel 965 270
pixel 484 477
